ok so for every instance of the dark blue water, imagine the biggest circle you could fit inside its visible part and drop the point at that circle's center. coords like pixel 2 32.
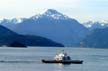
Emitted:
pixel 29 59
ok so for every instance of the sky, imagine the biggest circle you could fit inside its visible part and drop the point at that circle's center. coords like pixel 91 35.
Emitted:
pixel 82 10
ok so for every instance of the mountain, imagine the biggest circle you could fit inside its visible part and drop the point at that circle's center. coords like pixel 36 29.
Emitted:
pixel 97 38
pixel 52 25
pixel 8 37
pixel 95 25
pixel 10 22
pixel 88 24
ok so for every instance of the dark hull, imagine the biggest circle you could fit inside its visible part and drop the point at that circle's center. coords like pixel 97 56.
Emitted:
pixel 63 62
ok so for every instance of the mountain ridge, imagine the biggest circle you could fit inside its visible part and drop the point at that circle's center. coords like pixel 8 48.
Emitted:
pixel 60 28
pixel 8 37
pixel 52 25
pixel 97 39
pixel 96 25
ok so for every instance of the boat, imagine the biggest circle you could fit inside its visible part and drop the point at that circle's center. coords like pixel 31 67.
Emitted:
pixel 63 58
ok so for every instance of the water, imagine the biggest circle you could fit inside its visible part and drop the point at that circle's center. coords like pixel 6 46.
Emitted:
pixel 29 59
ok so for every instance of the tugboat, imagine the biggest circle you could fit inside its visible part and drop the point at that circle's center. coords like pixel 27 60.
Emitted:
pixel 63 58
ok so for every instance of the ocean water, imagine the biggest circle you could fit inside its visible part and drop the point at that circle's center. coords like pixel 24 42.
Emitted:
pixel 29 59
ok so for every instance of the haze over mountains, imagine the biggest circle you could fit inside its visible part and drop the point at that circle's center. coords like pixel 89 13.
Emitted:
pixel 57 27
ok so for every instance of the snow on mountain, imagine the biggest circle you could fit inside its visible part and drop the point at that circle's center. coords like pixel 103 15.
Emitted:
pixel 14 20
pixel 96 25
pixel 51 14
pixel 88 24
pixel 52 25
pixel 54 14
pixel 36 17
pixel 11 23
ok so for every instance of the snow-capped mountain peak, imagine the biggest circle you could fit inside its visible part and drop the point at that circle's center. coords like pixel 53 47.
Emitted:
pixel 36 16
pixel 52 25
pixel 96 25
pixel 13 21
pixel 103 21
pixel 16 20
pixel 88 24
pixel 52 12
pixel 55 14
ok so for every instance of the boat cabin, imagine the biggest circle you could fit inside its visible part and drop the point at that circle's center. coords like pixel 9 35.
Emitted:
pixel 62 57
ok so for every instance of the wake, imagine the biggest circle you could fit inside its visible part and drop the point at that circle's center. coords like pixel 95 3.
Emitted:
pixel 3 61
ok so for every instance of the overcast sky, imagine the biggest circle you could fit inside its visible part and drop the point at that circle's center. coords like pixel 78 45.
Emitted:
pixel 82 10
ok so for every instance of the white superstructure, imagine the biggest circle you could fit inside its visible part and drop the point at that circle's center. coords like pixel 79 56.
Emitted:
pixel 62 56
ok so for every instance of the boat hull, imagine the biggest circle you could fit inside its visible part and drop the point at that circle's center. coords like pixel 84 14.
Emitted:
pixel 63 62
